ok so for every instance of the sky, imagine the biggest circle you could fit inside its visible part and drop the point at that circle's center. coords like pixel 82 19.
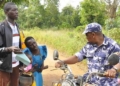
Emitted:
pixel 64 3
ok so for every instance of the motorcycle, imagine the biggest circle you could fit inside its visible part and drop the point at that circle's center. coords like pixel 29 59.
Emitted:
pixel 68 79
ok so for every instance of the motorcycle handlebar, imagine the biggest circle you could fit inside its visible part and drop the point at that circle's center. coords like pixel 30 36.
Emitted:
pixel 95 73
pixel 65 67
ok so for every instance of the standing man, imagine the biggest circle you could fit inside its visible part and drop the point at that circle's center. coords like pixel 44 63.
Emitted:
pixel 96 51
pixel 9 46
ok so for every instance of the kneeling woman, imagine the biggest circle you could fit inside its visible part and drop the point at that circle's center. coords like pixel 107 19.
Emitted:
pixel 37 55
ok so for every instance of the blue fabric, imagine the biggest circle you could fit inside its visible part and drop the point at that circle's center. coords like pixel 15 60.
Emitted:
pixel 38 59
pixel 97 60
pixel 93 27
pixel 38 79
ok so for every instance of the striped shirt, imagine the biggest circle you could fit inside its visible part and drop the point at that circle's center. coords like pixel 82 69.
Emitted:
pixel 15 42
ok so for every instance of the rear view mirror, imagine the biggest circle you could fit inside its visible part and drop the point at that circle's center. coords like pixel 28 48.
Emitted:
pixel 55 55
pixel 113 59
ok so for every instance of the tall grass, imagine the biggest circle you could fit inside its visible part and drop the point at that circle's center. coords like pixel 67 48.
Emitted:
pixel 63 40
pixel 67 41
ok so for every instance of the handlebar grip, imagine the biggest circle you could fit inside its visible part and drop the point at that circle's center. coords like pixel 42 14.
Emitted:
pixel 102 74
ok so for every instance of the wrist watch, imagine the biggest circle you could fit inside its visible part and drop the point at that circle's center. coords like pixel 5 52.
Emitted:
pixel 115 69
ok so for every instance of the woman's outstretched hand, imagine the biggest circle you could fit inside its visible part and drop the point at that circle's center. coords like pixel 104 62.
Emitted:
pixel 42 68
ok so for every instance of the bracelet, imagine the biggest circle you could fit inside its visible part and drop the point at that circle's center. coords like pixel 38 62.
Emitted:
pixel 115 69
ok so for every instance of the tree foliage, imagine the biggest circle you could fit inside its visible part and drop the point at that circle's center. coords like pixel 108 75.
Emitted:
pixel 111 10
pixel 92 11
pixel 51 16
pixel 111 7
pixel 32 13
pixel 2 2
pixel 69 17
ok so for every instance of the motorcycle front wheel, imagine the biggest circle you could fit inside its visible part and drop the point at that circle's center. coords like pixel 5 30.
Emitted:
pixel 67 82
pixel 56 84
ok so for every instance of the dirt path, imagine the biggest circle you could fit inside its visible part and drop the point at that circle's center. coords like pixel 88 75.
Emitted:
pixel 52 76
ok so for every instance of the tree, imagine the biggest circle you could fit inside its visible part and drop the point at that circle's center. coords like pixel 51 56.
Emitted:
pixel 92 11
pixel 33 14
pixel 51 18
pixel 111 8
pixel 66 16
pixel 2 2
pixel 39 15
pixel 76 17
pixel 69 17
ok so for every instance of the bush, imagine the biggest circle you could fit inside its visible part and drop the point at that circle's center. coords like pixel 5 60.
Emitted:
pixel 113 33
pixel 80 28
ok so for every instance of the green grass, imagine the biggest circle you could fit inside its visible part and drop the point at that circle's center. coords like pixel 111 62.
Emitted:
pixel 66 41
